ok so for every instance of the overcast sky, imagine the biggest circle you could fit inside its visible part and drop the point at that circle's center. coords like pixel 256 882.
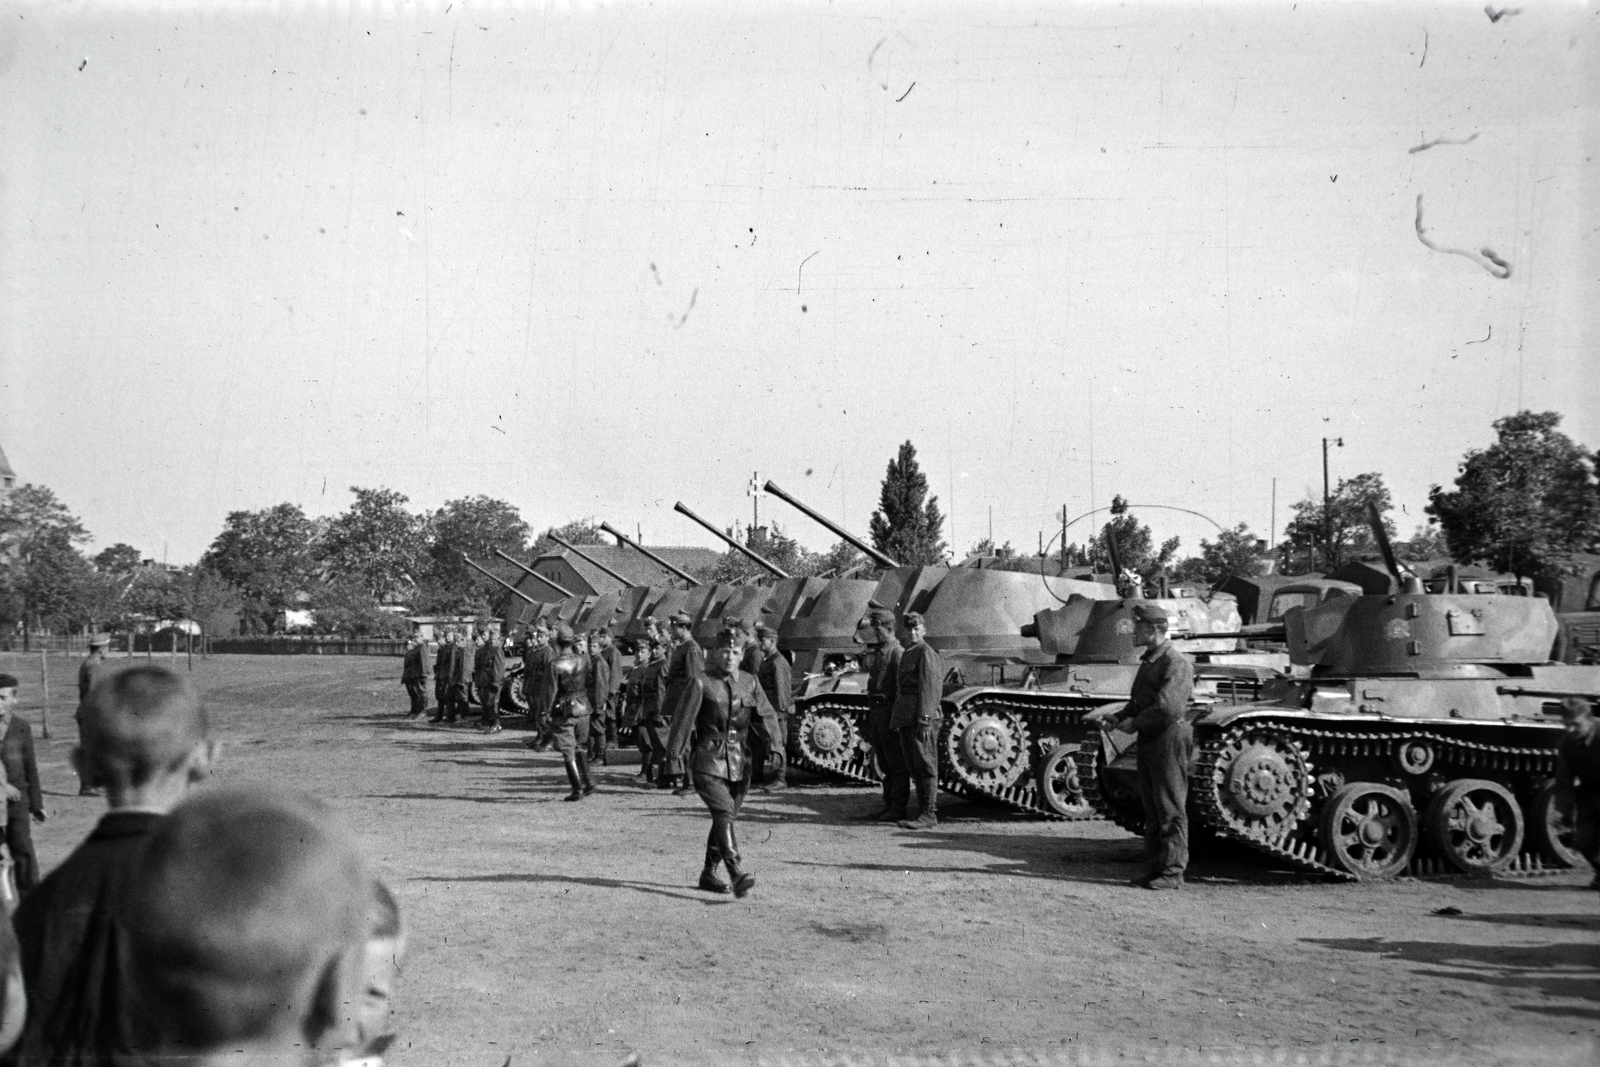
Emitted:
pixel 596 259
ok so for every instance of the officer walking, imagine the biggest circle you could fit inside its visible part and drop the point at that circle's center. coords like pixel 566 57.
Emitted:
pixel 489 675
pixel 883 676
pixel 1156 709
pixel 772 671
pixel 919 686
pixel 416 674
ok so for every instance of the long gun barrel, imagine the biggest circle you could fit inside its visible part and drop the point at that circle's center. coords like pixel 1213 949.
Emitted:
pixel 1380 535
pixel 839 531
pixel 657 560
pixel 771 568
pixel 499 581
pixel 529 571
pixel 581 554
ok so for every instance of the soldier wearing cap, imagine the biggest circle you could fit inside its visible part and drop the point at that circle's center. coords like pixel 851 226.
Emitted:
pixel 686 663
pixel 538 684
pixel 571 711
pixel 883 673
pixel 415 674
pixel 604 648
pixel 88 671
pixel 1156 709
pixel 441 677
pixel 489 676
pixel 919 686
pixel 718 707
pixel 772 671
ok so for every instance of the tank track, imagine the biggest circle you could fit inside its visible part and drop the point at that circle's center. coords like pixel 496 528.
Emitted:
pixel 1309 856
pixel 856 767
pixel 1038 713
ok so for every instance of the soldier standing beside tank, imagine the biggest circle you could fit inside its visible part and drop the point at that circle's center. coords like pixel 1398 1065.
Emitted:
pixel 1578 777
pixel 599 698
pixel 772 671
pixel 489 675
pixel 717 707
pixel 608 650
pixel 538 686
pixel 685 663
pixel 652 689
pixel 88 670
pixel 415 675
pixel 570 713
pixel 883 671
pixel 1156 708
pixel 919 686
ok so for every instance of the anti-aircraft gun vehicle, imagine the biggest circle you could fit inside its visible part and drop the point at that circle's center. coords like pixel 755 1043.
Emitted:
pixel 1423 739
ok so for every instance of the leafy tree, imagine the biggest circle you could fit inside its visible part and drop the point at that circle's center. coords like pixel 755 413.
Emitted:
pixel 267 555
pixel 377 543
pixel 1426 543
pixel 577 532
pixel 346 607
pixel 840 560
pixel 1235 551
pixel 42 573
pixel 907 523
pixel 1351 538
pixel 119 560
pixel 476 526
pixel 1526 503
pixel 771 544
pixel 1136 549
pixel 986 547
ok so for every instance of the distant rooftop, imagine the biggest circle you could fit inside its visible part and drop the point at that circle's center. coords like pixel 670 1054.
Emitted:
pixel 632 565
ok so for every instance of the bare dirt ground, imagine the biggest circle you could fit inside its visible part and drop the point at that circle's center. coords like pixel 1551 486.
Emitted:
pixel 571 933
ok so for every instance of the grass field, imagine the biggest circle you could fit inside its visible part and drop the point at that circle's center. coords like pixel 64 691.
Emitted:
pixel 571 933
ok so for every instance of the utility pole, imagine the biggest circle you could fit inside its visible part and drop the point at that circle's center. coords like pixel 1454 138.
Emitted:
pixel 1063 538
pixel 1272 528
pixel 755 500
pixel 1327 505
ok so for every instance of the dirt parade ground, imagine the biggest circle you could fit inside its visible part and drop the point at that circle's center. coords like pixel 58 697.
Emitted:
pixel 547 932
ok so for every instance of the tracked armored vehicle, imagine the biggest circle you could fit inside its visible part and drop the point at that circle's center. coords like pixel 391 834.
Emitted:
pixel 1424 740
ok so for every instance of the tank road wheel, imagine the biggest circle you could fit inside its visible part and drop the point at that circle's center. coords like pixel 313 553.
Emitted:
pixel 1059 789
pixel 987 746
pixel 1263 785
pixel 828 737
pixel 1552 826
pixel 512 698
pixel 1369 830
pixel 1475 825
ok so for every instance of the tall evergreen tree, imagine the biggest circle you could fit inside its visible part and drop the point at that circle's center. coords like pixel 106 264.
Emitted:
pixel 907 524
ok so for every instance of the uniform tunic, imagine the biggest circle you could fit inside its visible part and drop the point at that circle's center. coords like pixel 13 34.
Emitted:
pixel 686 663
pixel 538 683
pixel 883 676
pixel 1158 703
pixel 1578 774
pixel 415 676
pixel 22 771
pixel 653 707
pixel 441 679
pixel 569 715
pixel 919 686
pixel 772 672
pixel 717 710
pixel 489 675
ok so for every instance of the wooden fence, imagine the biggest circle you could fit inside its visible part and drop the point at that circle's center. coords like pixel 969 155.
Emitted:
pixel 171 642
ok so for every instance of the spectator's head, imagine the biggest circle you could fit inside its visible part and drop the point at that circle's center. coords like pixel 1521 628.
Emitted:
pixel 8 698
pixel 386 943
pixel 13 998
pixel 143 736
pixel 1577 717
pixel 248 921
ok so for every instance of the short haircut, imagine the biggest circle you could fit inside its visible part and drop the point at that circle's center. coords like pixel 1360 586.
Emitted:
pixel 138 723
pixel 237 910
pixel 9 681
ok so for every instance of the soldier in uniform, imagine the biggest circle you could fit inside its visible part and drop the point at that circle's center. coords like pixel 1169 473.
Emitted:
pixel 686 663
pixel 88 671
pixel 605 648
pixel 1156 709
pixel 538 685
pixel 650 685
pixel 717 708
pixel 21 778
pixel 1578 776
pixel 919 685
pixel 441 676
pixel 570 712
pixel 772 671
pixel 415 675
pixel 883 675
pixel 599 675
pixel 489 675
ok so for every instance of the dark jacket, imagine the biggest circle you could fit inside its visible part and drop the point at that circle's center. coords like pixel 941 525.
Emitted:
pixel 599 683
pixel 1161 690
pixel 570 676
pixel 16 753
pixel 418 667
pixel 718 709
pixel 441 666
pixel 88 670
pixel 539 684
pixel 489 666
pixel 918 687
pixel 73 946
pixel 651 685
pixel 777 682
pixel 1577 767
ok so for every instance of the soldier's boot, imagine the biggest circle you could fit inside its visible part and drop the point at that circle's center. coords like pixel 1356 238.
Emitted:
pixel 728 845
pixel 887 801
pixel 898 791
pixel 928 799
pixel 571 763
pixel 708 876
pixel 685 786
pixel 583 774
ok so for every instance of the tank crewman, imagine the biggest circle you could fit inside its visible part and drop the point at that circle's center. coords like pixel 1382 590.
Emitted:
pixel 538 684
pixel 777 683
pixel 570 712
pixel 599 673
pixel 607 649
pixel 717 709
pixel 919 686
pixel 883 675
pixel 686 663
pixel 1156 708
pixel 650 678
pixel 1578 776
pixel 631 700
pixel 21 779
pixel 415 674
pixel 489 675
pixel 441 677
pixel 88 671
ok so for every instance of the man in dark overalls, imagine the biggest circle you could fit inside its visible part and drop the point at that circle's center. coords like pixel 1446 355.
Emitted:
pixel 883 674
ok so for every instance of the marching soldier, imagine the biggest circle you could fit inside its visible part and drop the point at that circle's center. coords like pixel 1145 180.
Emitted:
pixel 489 675
pixel 882 678
pixel 772 671
pixel 919 685
pixel 1156 709
pixel 717 708
pixel 569 714
pixel 686 663
pixel 416 674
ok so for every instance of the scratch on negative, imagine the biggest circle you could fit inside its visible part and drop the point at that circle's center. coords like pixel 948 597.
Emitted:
pixel 1484 257
pixel 1424 49
pixel 801 272
pixel 907 93
pixel 685 316
pixel 1425 145
pixel 1488 334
